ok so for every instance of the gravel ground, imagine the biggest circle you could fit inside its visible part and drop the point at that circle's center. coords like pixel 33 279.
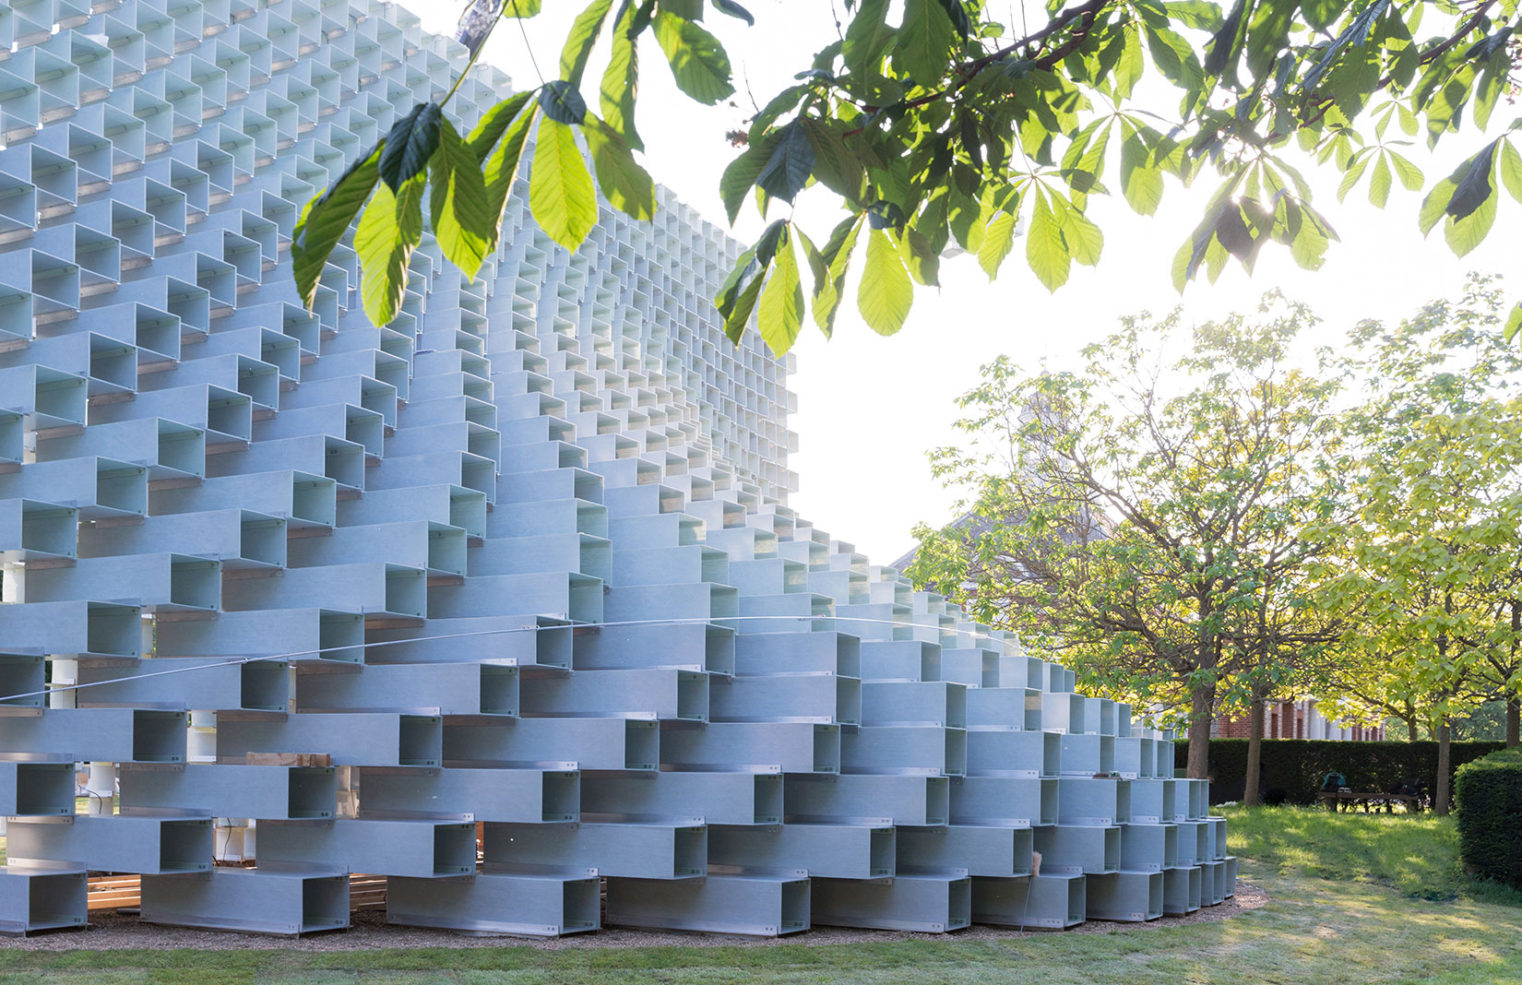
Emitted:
pixel 370 932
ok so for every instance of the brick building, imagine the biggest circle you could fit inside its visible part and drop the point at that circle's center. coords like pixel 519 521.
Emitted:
pixel 1298 719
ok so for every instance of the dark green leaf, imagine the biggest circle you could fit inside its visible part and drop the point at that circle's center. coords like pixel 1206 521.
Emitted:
pixel 741 174
pixel 959 19
pixel 790 164
pixel 325 220
pixel 562 102
pixel 836 166
pixel 409 145
pixel 1474 187
pixel 734 10
pixel 923 47
pixel 1321 14
pixel 738 318
pixel 1463 235
pixel 1233 233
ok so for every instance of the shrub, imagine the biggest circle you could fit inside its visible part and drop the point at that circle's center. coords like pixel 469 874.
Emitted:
pixel 1489 797
pixel 1293 769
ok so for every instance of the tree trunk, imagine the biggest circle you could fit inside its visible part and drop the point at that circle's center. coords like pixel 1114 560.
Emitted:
pixel 1201 712
pixel 1254 755
pixel 1411 728
pixel 1513 705
pixel 1440 798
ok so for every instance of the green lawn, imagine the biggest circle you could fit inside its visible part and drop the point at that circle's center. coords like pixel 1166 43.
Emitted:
pixel 1354 899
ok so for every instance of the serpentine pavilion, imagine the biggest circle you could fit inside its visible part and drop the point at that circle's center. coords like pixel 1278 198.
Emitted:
pixel 502 602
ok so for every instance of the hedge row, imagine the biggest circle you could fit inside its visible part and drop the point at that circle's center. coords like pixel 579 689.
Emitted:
pixel 1293 769
pixel 1489 799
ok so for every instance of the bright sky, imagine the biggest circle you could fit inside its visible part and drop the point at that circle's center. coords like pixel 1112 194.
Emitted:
pixel 869 408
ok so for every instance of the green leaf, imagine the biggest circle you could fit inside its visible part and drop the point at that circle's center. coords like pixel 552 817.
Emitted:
pixel 560 192
pixel 998 240
pixel 580 40
pixel 409 145
pixel 389 229
pixel 623 182
pixel 738 318
pixel 886 293
pixel 1045 249
pixel 923 48
pixel 741 174
pixel 489 129
pixel 1435 205
pixel 1514 322
pixel 724 301
pixel 1197 14
pixel 562 102
pixel 790 164
pixel 1359 164
pixel 1084 239
pixel 780 313
pixel 1463 235
pixel 922 262
pixel 522 8
pixel 501 169
pixel 463 222
pixel 620 82
pixel 1379 183
pixel 867 38
pixel 1321 14
pixel 837 256
pixel 1311 239
pixel 325 220
pixel 1409 174
pixel 1511 169
pixel 835 166
pixel 1140 180
pixel 698 61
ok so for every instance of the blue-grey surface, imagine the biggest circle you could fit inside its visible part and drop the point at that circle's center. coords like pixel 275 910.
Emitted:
pixel 520 559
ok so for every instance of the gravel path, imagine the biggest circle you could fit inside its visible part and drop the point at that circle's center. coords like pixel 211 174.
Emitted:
pixel 370 932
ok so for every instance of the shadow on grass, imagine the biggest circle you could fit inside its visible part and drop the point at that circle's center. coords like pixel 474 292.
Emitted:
pixel 1416 854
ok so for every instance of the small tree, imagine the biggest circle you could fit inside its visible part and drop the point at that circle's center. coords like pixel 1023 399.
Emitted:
pixel 1428 555
pixel 1134 516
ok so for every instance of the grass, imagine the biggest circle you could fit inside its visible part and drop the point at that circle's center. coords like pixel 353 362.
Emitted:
pixel 1417 855
pixel 1352 901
